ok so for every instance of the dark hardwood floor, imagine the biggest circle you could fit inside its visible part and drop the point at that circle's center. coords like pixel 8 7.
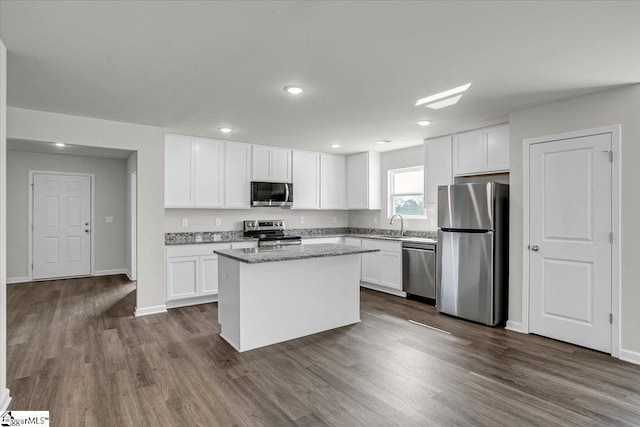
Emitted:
pixel 74 349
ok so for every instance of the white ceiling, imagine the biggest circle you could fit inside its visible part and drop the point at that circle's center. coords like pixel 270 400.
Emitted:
pixel 193 66
pixel 70 150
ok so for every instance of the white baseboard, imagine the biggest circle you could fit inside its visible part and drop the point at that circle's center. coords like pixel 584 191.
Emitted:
pixel 11 280
pixel 154 309
pixel 5 399
pixel 514 326
pixel 110 272
pixel 192 301
pixel 630 356
pixel 129 275
pixel 383 289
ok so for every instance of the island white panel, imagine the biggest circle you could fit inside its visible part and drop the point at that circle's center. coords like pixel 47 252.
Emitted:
pixel 266 303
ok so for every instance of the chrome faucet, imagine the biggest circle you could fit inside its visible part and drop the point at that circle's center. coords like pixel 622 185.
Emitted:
pixel 401 223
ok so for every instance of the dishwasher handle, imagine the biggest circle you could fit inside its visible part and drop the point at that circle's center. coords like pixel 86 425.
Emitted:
pixel 419 250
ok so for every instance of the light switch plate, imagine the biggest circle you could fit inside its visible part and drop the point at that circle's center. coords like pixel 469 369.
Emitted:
pixel 108 219
pixel 185 222
pixel 218 221
pixel 301 220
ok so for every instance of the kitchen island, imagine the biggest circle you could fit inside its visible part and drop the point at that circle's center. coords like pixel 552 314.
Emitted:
pixel 270 295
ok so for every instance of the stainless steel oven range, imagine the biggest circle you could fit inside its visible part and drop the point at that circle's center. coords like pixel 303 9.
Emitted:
pixel 270 233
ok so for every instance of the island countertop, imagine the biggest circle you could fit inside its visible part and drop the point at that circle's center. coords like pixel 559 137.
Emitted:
pixel 289 253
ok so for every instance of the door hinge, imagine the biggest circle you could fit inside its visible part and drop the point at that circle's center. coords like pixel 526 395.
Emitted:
pixel 31 266
pixel 611 318
pixel 610 155
pixel 611 237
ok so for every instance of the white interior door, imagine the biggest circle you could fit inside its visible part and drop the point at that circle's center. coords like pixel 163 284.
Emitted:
pixel 61 225
pixel 570 249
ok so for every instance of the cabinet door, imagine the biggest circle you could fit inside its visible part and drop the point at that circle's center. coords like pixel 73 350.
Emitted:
pixel 468 152
pixel 238 176
pixel 306 180
pixel 280 165
pixel 497 143
pixel 437 170
pixel 371 267
pixel 357 181
pixel 178 167
pixel 209 274
pixel 261 163
pixel 391 269
pixel 182 277
pixel 208 161
pixel 333 182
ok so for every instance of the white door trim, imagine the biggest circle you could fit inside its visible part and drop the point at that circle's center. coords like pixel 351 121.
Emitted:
pixel 30 218
pixel 616 199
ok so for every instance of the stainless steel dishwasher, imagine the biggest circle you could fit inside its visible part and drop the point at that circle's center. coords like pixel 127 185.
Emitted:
pixel 419 270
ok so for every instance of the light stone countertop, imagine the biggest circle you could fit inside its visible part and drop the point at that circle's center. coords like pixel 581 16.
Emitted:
pixel 290 253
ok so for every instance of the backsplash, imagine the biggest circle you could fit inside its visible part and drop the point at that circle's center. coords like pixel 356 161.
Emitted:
pixel 188 238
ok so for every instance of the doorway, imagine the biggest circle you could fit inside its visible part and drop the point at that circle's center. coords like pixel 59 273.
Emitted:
pixel 571 237
pixel 61 216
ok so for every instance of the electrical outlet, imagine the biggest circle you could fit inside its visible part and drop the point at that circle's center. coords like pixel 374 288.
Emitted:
pixel 108 219
pixel 375 219
pixel 301 220
pixel 198 238
pixel 218 221
pixel 185 222
pixel 335 220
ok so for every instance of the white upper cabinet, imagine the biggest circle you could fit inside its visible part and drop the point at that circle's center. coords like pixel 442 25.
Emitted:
pixel 271 164
pixel 497 140
pixel 481 151
pixel 333 182
pixel 306 180
pixel 238 176
pixel 437 170
pixel 363 181
pixel 178 171
pixel 468 152
pixel 208 183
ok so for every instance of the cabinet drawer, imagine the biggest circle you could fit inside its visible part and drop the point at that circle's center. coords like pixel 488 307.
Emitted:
pixel 382 245
pixel 194 250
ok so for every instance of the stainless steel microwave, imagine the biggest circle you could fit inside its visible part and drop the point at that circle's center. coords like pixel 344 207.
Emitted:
pixel 271 194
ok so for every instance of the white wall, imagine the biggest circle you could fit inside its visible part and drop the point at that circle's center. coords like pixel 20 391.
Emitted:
pixel 110 200
pixel 617 106
pixel 204 219
pixel 148 141
pixel 4 392
pixel 407 157
pixel 132 202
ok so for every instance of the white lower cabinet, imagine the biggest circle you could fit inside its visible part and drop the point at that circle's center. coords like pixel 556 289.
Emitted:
pixel 382 270
pixel 182 277
pixel 209 274
pixel 192 272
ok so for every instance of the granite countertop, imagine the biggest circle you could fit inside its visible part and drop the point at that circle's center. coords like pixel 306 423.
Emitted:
pixel 260 255
pixel 377 237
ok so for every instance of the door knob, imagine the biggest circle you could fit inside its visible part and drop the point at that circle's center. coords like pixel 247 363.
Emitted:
pixel 535 248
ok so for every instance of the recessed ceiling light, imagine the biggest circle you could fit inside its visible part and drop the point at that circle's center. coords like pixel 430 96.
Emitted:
pixel 60 144
pixel 294 89
pixel 335 145
pixel 224 130
pixel 445 102
pixel 423 122
pixel 383 141
pixel 441 95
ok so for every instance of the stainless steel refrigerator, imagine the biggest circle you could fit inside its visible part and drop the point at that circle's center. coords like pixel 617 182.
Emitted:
pixel 472 256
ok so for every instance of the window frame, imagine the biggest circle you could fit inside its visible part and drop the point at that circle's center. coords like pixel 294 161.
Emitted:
pixel 390 194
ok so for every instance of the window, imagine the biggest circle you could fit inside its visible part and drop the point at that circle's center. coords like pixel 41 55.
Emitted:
pixel 406 192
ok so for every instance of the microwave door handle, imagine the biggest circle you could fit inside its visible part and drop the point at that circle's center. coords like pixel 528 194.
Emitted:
pixel 286 192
